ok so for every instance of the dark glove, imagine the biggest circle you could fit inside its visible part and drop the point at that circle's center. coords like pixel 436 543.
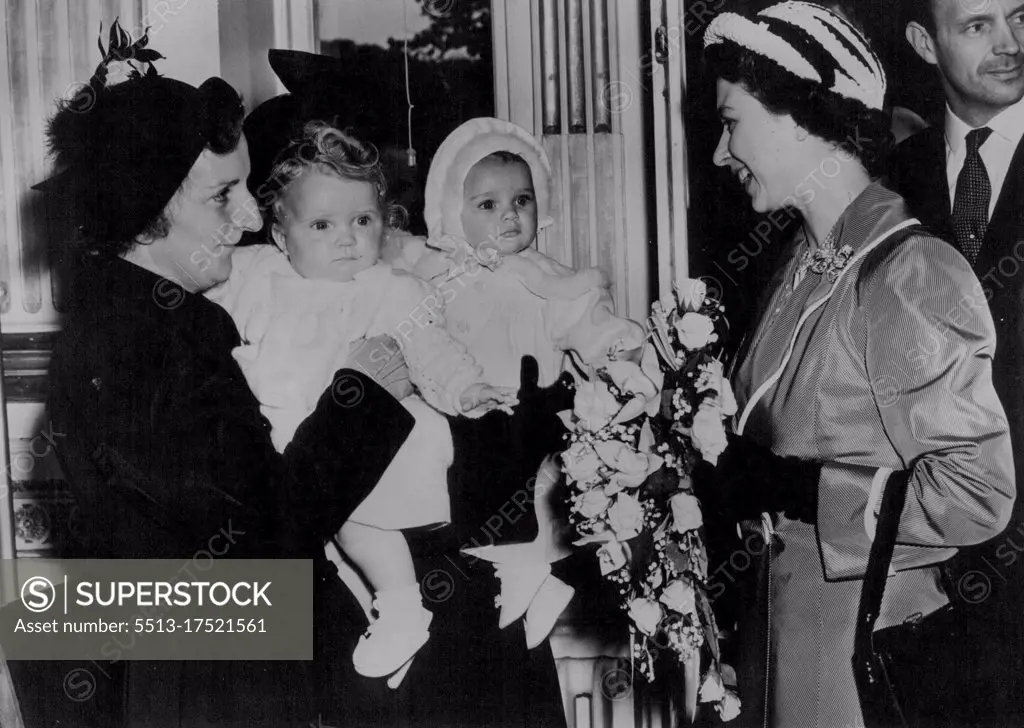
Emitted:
pixel 536 427
pixel 750 479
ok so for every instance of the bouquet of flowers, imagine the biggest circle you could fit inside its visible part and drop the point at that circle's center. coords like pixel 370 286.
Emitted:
pixel 637 431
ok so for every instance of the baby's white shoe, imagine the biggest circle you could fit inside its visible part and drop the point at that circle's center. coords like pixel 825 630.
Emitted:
pixel 549 603
pixel 520 584
pixel 398 633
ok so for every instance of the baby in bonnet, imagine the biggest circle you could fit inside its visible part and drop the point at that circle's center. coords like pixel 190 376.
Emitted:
pixel 487 195
pixel 299 306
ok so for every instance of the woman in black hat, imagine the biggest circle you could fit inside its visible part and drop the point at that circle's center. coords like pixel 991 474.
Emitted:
pixel 164 446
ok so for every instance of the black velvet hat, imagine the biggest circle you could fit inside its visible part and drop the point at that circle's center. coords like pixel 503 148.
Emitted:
pixel 316 90
pixel 122 151
pixel 325 88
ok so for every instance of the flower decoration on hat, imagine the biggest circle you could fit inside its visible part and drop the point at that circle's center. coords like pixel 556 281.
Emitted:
pixel 810 42
pixel 124 58
pixel 123 145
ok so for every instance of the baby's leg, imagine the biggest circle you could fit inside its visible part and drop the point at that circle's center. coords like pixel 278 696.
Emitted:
pixel 400 629
pixel 382 555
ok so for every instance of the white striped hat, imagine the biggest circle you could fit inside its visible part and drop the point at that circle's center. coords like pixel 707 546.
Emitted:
pixel 810 42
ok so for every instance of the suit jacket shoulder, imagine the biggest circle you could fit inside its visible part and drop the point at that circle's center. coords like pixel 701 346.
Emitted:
pixel 918 173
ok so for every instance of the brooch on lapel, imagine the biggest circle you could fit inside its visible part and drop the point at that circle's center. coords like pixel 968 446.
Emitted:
pixel 825 260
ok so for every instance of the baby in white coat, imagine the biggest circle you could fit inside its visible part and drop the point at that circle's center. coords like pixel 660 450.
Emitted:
pixel 487 195
pixel 300 306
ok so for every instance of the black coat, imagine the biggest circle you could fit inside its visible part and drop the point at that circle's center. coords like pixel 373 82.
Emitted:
pixel 165 448
pixel 988 580
pixel 167 454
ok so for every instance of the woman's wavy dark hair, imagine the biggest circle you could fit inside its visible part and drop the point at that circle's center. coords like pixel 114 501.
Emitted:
pixel 324 148
pixel 861 132
pixel 125 151
pixel 222 131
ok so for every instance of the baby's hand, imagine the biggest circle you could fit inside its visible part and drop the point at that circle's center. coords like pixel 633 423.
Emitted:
pixel 484 398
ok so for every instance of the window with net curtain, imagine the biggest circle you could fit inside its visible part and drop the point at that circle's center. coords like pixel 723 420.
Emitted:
pixel 450 78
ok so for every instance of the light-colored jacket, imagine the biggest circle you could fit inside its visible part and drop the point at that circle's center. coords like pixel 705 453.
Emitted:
pixel 527 304
pixel 887 368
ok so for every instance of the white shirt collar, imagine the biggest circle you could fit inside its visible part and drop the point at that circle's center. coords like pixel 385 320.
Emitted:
pixel 1008 123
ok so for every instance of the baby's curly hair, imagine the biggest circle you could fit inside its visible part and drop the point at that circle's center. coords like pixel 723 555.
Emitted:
pixel 861 132
pixel 327 149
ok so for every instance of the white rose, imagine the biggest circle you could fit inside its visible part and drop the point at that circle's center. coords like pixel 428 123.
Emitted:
pixel 626 517
pixel 685 512
pixel 635 480
pixel 631 467
pixel 580 462
pixel 712 690
pixel 611 557
pixel 612 487
pixel 728 673
pixel 679 596
pixel 713 377
pixel 646 615
pixel 691 292
pixel 651 367
pixel 712 374
pixel 708 433
pixel 726 399
pixel 119 72
pixel 729 706
pixel 594 405
pixel 594 503
pixel 631 410
pixel 646 442
pixel 694 330
pixel 631 379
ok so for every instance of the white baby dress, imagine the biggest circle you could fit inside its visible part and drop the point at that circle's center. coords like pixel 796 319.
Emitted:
pixel 296 334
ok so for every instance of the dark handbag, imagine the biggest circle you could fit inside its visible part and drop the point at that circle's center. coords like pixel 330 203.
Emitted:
pixel 903 679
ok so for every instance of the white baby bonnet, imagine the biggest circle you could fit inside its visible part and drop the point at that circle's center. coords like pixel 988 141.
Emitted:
pixel 463 148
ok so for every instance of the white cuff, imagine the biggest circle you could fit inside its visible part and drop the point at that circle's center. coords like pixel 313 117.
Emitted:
pixel 874 503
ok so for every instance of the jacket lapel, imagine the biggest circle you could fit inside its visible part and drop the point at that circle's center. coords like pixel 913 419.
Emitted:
pixel 928 185
pixel 819 298
pixel 1007 224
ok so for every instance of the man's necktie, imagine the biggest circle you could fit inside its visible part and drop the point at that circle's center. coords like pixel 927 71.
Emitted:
pixel 973 192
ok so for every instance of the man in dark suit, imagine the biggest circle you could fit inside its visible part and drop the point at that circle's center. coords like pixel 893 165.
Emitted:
pixel 965 179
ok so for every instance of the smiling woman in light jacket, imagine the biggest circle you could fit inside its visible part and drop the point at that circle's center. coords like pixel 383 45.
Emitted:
pixel 871 361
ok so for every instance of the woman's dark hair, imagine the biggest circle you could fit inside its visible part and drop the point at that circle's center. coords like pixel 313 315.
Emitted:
pixel 323 148
pixel 223 130
pixel 862 132
pixel 123 152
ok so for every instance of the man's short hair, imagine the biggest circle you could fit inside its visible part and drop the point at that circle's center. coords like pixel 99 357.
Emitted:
pixel 920 11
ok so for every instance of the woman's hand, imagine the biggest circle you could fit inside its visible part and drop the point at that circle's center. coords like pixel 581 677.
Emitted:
pixel 750 479
pixel 536 428
pixel 481 398
pixel 381 359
